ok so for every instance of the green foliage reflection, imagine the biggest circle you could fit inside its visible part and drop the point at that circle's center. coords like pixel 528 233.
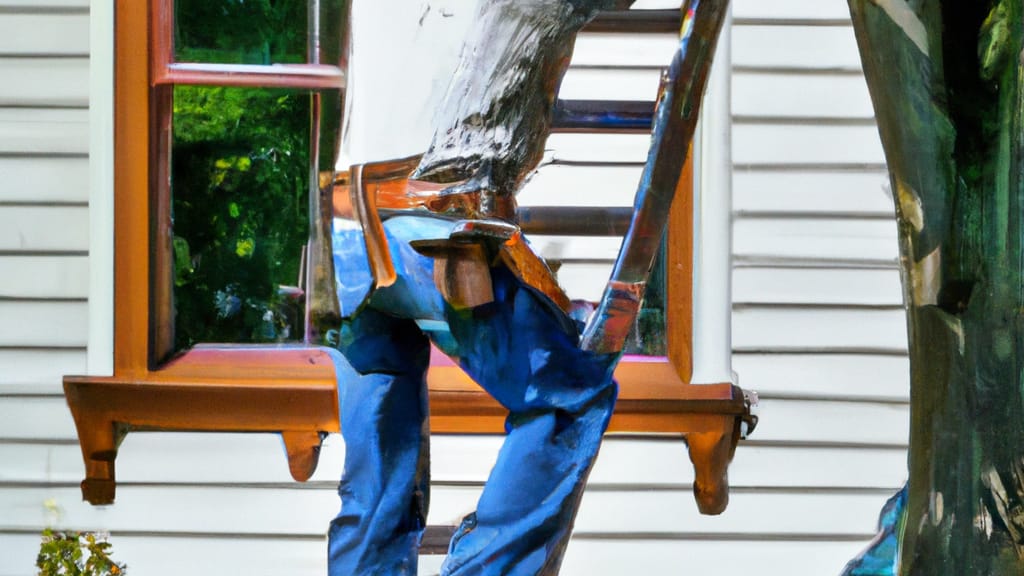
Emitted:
pixel 240 180
pixel 241 31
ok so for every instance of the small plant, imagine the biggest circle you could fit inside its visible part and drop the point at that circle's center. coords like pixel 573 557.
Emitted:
pixel 76 554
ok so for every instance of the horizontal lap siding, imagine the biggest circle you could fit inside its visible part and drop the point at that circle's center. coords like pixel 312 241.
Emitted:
pixel 52 82
pixel 68 6
pixel 62 277
pixel 44 193
pixel 818 322
pixel 44 179
pixel 796 95
pixel 44 246
pixel 847 191
pixel 43 32
pixel 38 371
pixel 818 332
pixel 662 512
pixel 162 556
pixel 205 487
pixel 59 132
pixel 44 228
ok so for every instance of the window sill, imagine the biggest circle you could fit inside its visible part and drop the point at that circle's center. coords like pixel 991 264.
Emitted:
pixel 293 390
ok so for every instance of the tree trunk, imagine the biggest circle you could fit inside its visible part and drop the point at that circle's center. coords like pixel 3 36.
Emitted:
pixel 945 79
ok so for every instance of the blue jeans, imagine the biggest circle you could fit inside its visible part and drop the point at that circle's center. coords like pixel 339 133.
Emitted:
pixel 524 352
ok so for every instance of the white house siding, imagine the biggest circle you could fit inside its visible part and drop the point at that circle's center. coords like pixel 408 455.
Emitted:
pixel 818 331
pixel 44 263
pixel 818 324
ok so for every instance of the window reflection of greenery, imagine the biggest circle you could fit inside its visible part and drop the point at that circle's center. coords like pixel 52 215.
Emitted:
pixel 240 180
pixel 239 153
pixel 241 31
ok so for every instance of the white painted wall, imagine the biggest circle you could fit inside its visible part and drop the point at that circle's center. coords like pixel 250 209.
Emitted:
pixel 817 330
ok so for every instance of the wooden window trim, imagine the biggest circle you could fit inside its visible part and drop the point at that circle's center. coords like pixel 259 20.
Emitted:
pixel 293 389
pixel 306 76
pixel 287 389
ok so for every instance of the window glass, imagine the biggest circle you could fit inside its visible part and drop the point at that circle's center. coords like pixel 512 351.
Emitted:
pixel 323 311
pixel 240 179
pixel 584 279
pixel 241 31
pixel 648 336
pixel 331 29
pixel 332 104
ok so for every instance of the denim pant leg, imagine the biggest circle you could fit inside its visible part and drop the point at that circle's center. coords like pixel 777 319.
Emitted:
pixel 385 486
pixel 560 401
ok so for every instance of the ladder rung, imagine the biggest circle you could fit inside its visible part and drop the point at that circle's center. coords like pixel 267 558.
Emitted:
pixel 640 21
pixel 575 220
pixel 436 539
pixel 603 116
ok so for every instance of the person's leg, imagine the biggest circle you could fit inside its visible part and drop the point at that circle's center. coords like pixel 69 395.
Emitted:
pixel 560 399
pixel 385 486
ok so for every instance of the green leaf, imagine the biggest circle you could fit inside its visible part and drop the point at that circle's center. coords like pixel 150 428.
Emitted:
pixel 245 248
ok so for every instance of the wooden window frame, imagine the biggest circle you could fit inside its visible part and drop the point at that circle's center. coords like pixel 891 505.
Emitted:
pixel 293 389
pixel 210 387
